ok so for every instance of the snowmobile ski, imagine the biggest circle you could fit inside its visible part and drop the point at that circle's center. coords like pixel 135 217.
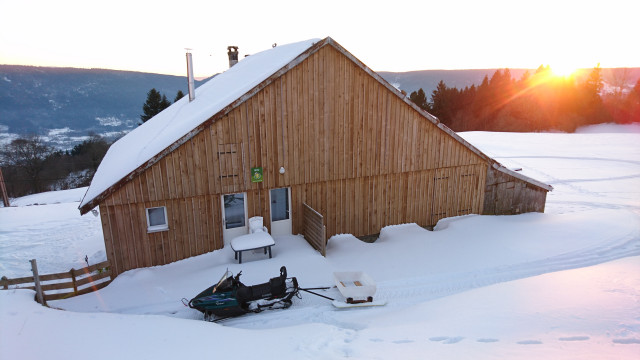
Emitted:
pixel 345 305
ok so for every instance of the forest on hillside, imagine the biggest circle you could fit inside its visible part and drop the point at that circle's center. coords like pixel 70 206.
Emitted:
pixel 542 101
pixel 30 165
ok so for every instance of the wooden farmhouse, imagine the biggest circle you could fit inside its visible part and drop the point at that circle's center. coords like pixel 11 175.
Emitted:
pixel 304 135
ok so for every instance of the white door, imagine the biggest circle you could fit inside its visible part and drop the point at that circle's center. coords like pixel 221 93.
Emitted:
pixel 234 216
pixel 280 200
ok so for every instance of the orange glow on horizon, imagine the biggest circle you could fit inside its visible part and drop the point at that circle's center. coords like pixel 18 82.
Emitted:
pixel 563 70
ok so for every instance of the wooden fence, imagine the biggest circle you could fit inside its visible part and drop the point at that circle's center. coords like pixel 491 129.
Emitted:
pixel 314 230
pixel 62 285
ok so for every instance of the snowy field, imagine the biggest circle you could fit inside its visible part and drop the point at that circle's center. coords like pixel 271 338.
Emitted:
pixel 558 285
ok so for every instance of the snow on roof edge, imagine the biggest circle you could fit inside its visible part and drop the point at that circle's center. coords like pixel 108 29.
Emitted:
pixel 496 165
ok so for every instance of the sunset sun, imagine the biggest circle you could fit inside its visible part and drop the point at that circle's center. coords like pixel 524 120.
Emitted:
pixel 563 70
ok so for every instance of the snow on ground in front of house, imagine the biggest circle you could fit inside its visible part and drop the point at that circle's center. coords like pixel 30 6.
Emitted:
pixel 51 197
pixel 48 227
pixel 562 284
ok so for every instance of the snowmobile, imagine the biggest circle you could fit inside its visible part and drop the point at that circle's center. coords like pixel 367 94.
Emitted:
pixel 229 297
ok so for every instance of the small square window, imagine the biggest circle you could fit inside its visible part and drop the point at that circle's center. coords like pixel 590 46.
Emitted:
pixel 157 219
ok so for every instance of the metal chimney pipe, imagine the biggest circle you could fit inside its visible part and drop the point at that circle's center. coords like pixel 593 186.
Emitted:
pixel 192 92
pixel 232 51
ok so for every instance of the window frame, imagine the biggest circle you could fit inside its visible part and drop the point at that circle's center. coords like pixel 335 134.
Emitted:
pixel 156 228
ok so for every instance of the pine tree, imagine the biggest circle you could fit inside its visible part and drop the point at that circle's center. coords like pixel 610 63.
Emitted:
pixel 155 103
pixel 420 99
pixel 633 103
pixel 594 83
pixel 179 96
pixel 164 103
pixel 444 102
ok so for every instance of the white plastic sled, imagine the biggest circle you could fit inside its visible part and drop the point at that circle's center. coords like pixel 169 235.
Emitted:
pixel 357 288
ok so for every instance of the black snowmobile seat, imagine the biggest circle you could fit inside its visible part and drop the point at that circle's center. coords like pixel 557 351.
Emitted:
pixel 276 287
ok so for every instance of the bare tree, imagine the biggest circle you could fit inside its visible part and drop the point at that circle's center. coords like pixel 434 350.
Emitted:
pixel 619 81
pixel 28 156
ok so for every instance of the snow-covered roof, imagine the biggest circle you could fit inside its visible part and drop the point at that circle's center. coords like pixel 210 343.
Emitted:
pixel 166 131
pixel 149 139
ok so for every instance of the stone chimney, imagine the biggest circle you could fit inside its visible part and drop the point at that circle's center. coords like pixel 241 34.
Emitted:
pixel 232 51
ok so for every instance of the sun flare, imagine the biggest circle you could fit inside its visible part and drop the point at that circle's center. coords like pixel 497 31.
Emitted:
pixel 563 70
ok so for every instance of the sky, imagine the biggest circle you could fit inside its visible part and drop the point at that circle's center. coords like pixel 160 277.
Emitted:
pixel 151 36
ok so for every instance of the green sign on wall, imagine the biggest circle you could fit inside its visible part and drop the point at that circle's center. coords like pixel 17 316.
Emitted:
pixel 256 174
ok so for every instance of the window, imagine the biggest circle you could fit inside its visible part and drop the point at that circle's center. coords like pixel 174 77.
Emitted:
pixel 157 219
pixel 234 211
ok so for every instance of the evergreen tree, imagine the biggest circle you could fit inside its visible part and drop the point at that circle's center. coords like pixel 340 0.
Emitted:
pixel 543 70
pixel 445 102
pixel 593 85
pixel 536 102
pixel 90 152
pixel 633 103
pixel 164 103
pixel 179 96
pixel 420 98
pixel 155 103
pixel 591 107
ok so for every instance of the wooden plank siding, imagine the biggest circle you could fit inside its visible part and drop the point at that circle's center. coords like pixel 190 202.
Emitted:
pixel 314 229
pixel 507 195
pixel 351 148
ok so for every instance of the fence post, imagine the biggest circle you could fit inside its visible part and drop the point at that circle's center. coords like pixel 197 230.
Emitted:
pixel 73 279
pixel 324 240
pixel 36 281
pixel 3 191
pixel 4 282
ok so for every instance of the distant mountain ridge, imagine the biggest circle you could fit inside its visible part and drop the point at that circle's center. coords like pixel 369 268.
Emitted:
pixel 428 79
pixel 64 104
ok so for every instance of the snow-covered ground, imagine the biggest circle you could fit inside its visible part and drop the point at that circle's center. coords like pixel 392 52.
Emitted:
pixel 563 284
pixel 48 227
